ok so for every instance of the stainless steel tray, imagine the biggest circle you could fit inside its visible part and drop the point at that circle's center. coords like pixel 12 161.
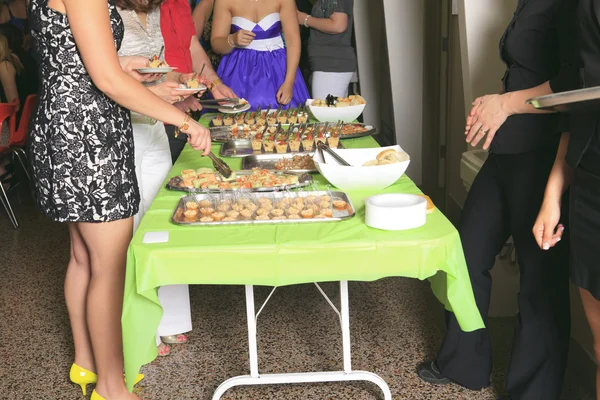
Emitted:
pixel 272 111
pixel 338 215
pixel 588 98
pixel 303 180
pixel 268 161
pixel 222 134
pixel 243 148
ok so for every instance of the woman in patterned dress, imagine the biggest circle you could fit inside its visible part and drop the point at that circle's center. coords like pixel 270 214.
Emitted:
pixel 82 160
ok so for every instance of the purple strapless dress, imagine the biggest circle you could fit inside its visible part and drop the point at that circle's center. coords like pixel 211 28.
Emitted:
pixel 256 72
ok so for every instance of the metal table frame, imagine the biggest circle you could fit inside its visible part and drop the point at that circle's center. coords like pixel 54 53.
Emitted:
pixel 347 375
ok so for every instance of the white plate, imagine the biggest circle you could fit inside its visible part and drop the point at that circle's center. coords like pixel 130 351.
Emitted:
pixel 230 111
pixel 187 90
pixel 395 211
pixel 148 70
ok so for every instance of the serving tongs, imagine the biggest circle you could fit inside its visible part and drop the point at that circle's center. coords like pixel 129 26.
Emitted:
pixel 233 103
pixel 323 147
pixel 220 165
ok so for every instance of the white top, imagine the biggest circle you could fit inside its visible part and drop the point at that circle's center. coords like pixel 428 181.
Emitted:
pixel 141 41
pixel 271 44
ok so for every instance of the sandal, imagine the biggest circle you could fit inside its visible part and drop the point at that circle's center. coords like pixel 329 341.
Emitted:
pixel 174 339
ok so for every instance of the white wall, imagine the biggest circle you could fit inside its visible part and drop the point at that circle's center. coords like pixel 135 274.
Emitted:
pixel 404 20
pixel 482 23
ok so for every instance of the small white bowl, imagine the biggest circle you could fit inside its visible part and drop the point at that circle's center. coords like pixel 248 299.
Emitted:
pixel 395 211
pixel 376 177
pixel 335 114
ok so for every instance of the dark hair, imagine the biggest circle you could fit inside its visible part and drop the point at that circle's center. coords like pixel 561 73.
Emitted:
pixel 14 36
pixel 144 6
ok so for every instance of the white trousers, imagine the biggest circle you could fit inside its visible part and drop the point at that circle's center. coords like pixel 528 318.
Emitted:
pixel 152 165
pixel 330 83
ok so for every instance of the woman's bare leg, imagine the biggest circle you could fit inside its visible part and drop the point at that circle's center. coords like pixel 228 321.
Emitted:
pixel 76 291
pixel 592 312
pixel 107 245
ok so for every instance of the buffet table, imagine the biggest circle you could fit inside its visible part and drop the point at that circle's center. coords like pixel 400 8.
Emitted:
pixel 162 253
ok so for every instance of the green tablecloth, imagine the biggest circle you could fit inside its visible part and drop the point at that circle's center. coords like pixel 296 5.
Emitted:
pixel 276 255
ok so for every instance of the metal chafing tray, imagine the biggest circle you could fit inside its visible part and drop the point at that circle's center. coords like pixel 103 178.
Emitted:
pixel 268 161
pixel 243 148
pixel 588 98
pixel 179 218
pixel 303 181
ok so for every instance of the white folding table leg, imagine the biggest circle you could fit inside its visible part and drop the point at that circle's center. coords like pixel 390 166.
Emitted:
pixel 305 377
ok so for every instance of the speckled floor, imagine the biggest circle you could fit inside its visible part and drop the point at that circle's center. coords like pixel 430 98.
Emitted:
pixel 395 323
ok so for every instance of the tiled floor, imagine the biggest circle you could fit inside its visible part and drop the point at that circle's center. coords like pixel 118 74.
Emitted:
pixel 395 324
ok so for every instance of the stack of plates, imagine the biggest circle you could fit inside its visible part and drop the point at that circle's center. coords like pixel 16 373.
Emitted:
pixel 395 212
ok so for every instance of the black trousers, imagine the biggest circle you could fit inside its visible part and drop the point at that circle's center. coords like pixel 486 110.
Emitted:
pixel 176 144
pixel 504 200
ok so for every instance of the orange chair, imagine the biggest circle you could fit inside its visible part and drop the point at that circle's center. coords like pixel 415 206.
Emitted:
pixel 8 113
pixel 18 138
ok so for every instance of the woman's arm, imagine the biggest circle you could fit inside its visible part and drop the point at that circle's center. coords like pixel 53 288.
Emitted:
pixel 200 58
pixel 335 24
pixel 9 83
pixel 90 23
pixel 201 15
pixel 291 32
pixel 220 40
pixel 546 229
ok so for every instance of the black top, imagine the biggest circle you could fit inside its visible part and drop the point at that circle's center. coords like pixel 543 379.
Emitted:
pixel 536 47
pixel 584 144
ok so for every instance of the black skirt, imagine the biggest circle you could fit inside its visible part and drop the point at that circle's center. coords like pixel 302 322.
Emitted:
pixel 585 231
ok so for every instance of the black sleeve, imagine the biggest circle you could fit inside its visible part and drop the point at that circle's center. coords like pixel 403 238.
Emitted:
pixel 566 30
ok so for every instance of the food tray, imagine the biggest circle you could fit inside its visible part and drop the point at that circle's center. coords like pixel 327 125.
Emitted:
pixel 303 180
pixel 222 134
pixel 243 148
pixel 268 161
pixel 588 98
pixel 338 215
pixel 270 112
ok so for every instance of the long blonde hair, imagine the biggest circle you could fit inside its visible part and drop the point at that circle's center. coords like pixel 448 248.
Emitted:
pixel 7 55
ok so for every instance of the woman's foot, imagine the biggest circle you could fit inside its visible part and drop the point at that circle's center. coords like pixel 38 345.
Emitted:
pixel 163 350
pixel 174 339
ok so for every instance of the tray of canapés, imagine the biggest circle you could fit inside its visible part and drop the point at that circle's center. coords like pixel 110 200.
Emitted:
pixel 276 139
pixel 205 180
pixel 270 116
pixel 263 208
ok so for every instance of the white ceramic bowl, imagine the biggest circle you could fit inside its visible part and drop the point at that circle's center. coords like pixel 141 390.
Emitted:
pixel 335 114
pixel 395 211
pixel 358 177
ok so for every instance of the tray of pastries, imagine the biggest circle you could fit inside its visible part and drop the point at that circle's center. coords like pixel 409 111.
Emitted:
pixel 276 139
pixel 205 180
pixel 263 208
pixel 262 117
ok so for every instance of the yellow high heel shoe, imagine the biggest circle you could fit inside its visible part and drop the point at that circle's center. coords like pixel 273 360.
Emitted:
pixel 84 377
pixel 96 396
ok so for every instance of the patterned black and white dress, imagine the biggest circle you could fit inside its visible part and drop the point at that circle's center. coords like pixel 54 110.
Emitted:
pixel 81 142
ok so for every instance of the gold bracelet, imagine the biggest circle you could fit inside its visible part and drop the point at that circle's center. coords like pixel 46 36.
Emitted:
pixel 184 125
pixel 215 83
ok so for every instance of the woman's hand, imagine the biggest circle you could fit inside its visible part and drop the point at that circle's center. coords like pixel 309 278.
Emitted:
pixel 131 63
pixel 546 230
pixel 189 104
pixel 242 38
pixel 486 117
pixel 223 91
pixel 199 138
pixel 301 17
pixel 285 93
pixel 167 91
